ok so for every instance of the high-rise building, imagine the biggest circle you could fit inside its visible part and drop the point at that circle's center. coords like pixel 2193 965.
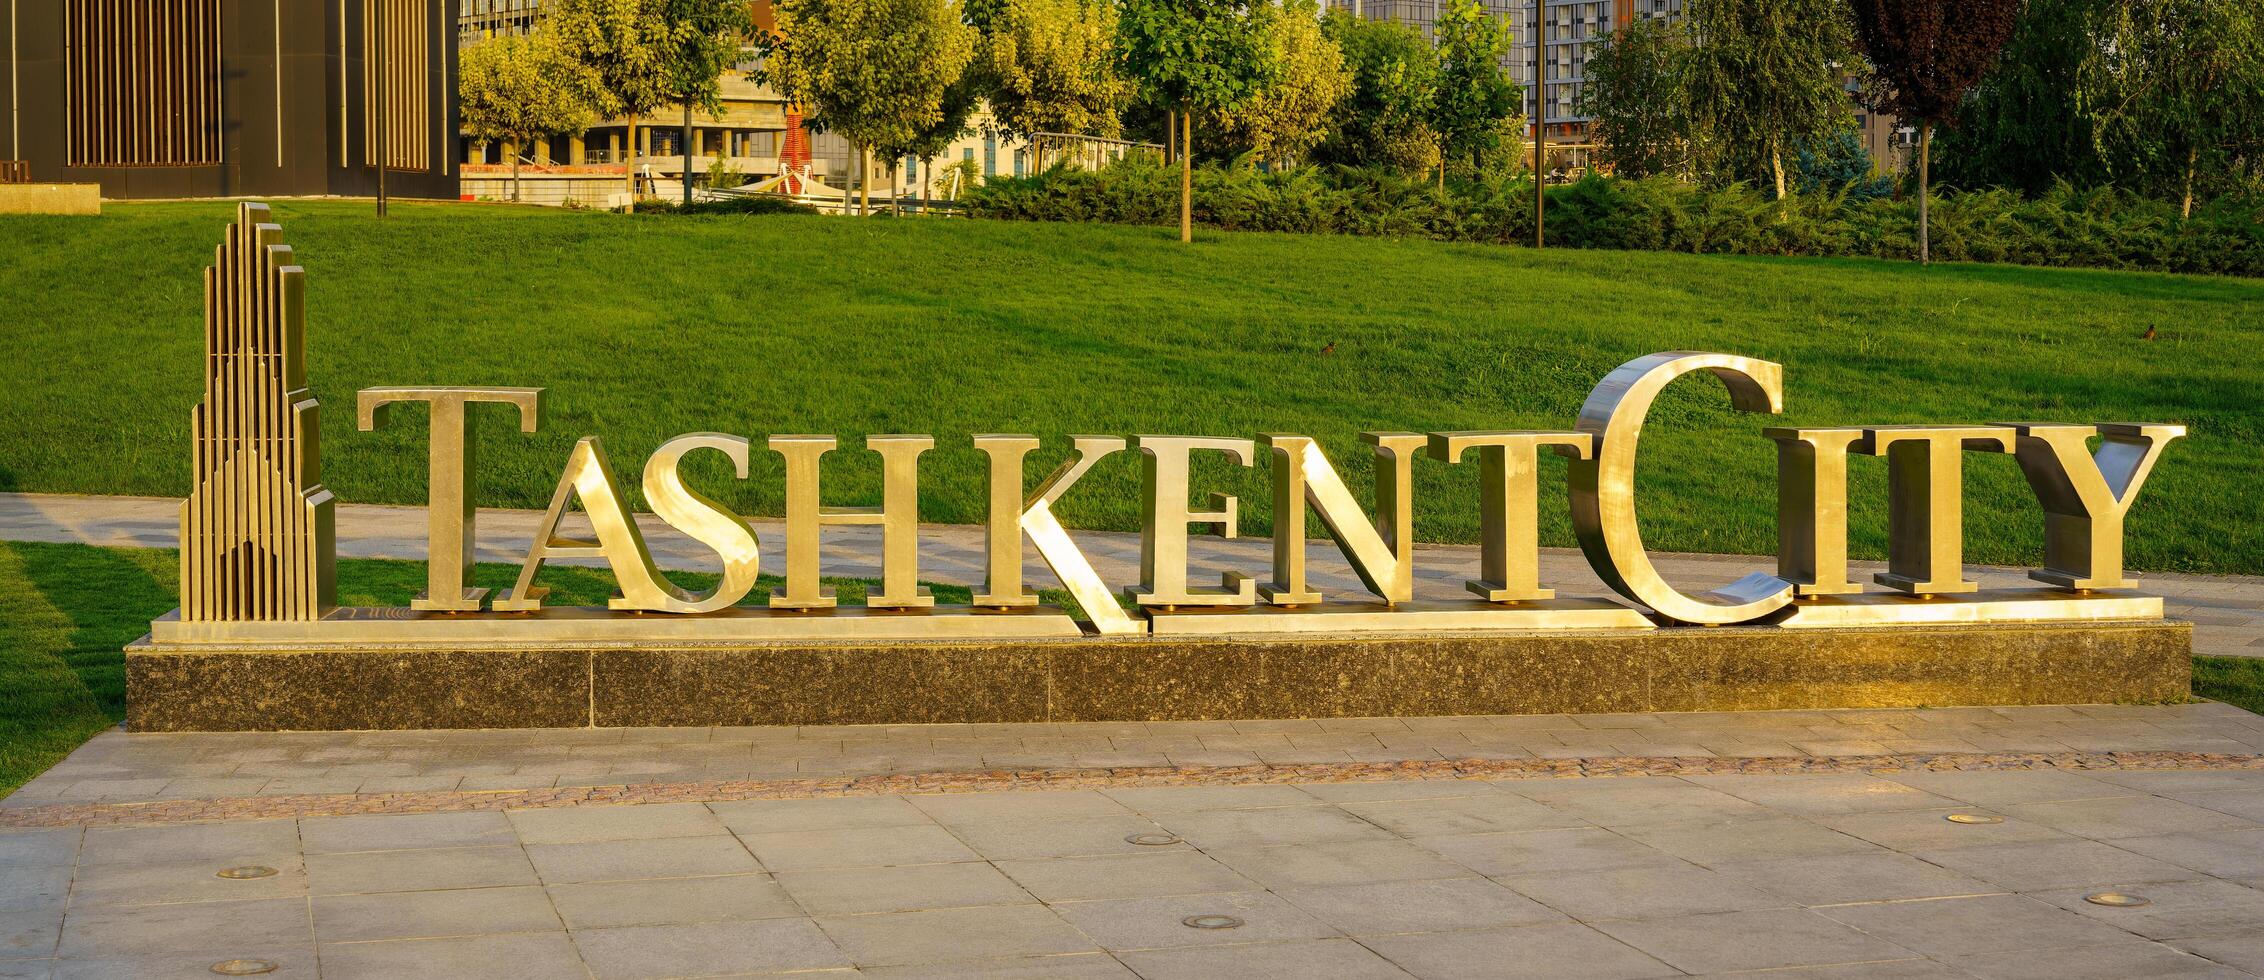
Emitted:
pixel 203 98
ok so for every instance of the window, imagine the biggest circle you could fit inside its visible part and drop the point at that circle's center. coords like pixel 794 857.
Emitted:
pixel 141 82
pixel 990 156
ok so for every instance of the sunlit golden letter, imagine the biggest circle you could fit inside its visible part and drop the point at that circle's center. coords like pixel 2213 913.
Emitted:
pixel 1812 509
pixel 1163 537
pixel 898 517
pixel 451 479
pixel 1603 488
pixel 703 520
pixel 1509 555
pixel 1382 551
pixel 2086 497
pixel 589 478
pixel 1926 501
pixel 1035 517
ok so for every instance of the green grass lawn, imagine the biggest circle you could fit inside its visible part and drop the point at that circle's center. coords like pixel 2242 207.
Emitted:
pixel 647 327
pixel 67 610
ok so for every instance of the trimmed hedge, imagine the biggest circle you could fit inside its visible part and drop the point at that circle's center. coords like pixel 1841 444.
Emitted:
pixel 2102 228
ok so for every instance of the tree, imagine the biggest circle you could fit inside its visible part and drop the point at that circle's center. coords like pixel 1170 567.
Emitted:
pixel 2022 127
pixel 875 71
pixel 625 50
pixel 1767 73
pixel 1925 55
pixel 1048 67
pixel 2176 85
pixel 517 89
pixel 1208 56
pixel 1395 77
pixel 1474 95
pixel 710 38
pixel 958 105
pixel 1636 88
pixel 1284 120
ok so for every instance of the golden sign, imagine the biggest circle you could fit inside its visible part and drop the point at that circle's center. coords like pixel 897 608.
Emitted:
pixel 257 546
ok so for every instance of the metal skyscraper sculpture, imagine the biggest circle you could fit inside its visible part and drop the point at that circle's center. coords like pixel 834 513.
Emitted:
pixel 257 541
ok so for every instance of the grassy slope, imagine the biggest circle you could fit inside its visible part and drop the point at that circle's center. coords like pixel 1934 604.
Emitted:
pixel 67 609
pixel 647 327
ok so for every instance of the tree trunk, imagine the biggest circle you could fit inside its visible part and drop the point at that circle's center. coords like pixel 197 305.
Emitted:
pixel 1776 163
pixel 1925 152
pixel 514 178
pixel 629 165
pixel 1170 136
pixel 864 181
pixel 687 141
pixel 1187 177
pixel 926 177
pixel 2192 156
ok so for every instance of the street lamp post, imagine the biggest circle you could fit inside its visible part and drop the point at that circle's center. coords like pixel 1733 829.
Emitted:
pixel 1540 117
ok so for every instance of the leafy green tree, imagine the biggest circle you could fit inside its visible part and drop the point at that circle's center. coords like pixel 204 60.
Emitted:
pixel 875 71
pixel 2178 89
pixel 625 50
pixel 710 38
pixel 1195 56
pixel 517 89
pixel 2023 127
pixel 1285 119
pixel 1636 87
pixel 1395 77
pixel 1049 67
pixel 1925 55
pixel 1766 74
pixel 1474 94
pixel 960 100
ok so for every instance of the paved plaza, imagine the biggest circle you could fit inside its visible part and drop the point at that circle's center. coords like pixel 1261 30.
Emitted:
pixel 1932 842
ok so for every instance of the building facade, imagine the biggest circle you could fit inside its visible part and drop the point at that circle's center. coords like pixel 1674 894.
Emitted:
pixel 207 98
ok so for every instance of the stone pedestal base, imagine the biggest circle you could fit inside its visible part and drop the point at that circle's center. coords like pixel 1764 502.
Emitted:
pixel 217 687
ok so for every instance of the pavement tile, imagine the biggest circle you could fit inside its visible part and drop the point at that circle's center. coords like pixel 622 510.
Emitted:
pixel 1646 892
pixel 2094 963
pixel 422 869
pixel 30 932
pixel 1910 969
pixel 1582 849
pixel 1462 815
pixel 1334 958
pixel 44 848
pixel 1919 830
pixel 515 956
pixel 943 935
pixel 2181 783
pixel 2241 951
pixel 1962 926
pixel 1411 789
pixel 585 824
pixel 707 949
pixel 1183 799
pixel 835 813
pixel 291 962
pixel 908 888
pixel 2041 865
pixel 1566 951
pixel 1716 842
pixel 39 969
pixel 662 857
pixel 670 901
pixel 235 842
pixel 1159 872
pixel 389 832
pixel 1067 966
pixel 1831 879
pixel 961 808
pixel 1832 793
pixel 1435 905
pixel 1633 802
pixel 1012 838
pixel 859 848
pixel 35 888
pixel 2130 816
pixel 236 928
pixel 2246 804
pixel 103 885
pixel 432 915
pixel 1763 940
pixel 2224 853
pixel 2006 788
pixel 1152 923
pixel 1318 824
pixel 2178 909
pixel 1337 863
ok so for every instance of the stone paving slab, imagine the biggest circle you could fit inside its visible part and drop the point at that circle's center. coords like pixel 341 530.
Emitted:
pixel 2227 610
pixel 1839 873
